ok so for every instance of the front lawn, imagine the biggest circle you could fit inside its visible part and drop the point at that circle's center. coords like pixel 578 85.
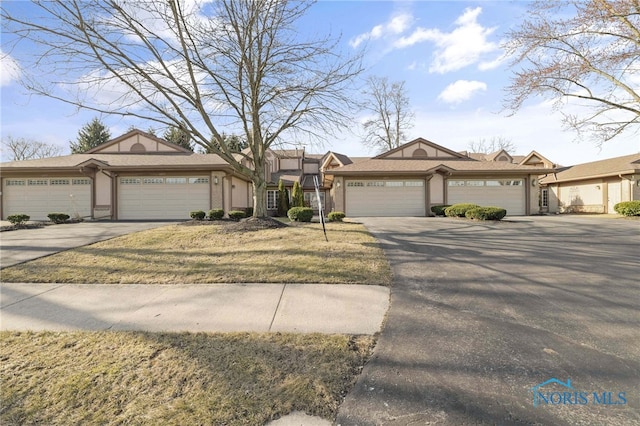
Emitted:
pixel 212 254
pixel 174 378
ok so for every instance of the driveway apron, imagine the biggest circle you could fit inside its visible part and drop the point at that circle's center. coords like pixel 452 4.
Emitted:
pixel 483 313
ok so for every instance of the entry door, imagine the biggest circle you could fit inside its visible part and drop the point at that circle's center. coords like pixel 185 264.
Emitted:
pixel 615 192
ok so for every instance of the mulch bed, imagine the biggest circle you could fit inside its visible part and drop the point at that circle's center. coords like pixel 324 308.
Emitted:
pixel 245 225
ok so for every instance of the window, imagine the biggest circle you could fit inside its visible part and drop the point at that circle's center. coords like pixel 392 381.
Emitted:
pixel 375 183
pixel 175 180
pixel 456 183
pixel 38 182
pixel 59 181
pixel 474 183
pixel 199 180
pixel 394 183
pixel 495 183
pixel 81 181
pixel 414 183
pixel 355 184
pixel 311 200
pixel 152 181
pixel 130 181
pixel 545 197
pixel 272 199
pixel 15 182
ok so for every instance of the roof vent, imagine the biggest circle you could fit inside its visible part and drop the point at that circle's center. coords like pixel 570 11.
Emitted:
pixel 419 153
pixel 138 147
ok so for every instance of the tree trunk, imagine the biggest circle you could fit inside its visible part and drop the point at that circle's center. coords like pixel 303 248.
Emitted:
pixel 259 195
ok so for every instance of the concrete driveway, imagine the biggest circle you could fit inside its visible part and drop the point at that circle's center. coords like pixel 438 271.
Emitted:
pixel 23 245
pixel 533 320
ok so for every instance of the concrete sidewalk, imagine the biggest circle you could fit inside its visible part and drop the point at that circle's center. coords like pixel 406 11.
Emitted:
pixel 301 308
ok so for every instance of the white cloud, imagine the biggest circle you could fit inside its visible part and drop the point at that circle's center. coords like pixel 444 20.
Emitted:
pixel 463 46
pixel 461 90
pixel 396 25
pixel 9 69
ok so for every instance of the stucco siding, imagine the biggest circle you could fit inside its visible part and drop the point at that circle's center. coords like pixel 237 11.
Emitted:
pixel 585 197
pixel 436 188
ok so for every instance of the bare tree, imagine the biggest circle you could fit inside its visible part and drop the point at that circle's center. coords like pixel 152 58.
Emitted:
pixel 391 116
pixel 495 144
pixel 25 149
pixel 240 65
pixel 589 58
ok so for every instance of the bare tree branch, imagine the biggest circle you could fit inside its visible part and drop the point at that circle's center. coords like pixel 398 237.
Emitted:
pixel 236 66
pixel 591 57
pixel 25 149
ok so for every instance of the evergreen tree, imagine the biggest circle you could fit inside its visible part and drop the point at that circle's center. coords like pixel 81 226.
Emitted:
pixel 233 142
pixel 283 199
pixel 90 135
pixel 297 195
pixel 179 137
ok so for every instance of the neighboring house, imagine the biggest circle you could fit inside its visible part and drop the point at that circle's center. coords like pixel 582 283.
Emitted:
pixel 135 176
pixel 408 180
pixel 593 187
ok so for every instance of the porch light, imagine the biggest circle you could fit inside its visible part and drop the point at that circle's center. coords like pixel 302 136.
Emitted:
pixel 215 180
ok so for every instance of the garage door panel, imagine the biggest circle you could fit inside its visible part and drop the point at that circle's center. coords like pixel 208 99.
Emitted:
pixel 385 198
pixel 508 194
pixel 155 197
pixel 41 196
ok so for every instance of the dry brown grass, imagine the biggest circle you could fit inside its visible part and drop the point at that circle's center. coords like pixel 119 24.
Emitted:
pixel 204 254
pixel 173 379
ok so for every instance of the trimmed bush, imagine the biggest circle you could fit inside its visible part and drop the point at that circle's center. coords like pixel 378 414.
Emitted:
pixel 300 214
pixel 216 214
pixel 248 212
pixel 628 208
pixel 237 214
pixel 459 210
pixel 439 210
pixel 58 217
pixel 486 213
pixel 336 216
pixel 18 219
pixel 197 214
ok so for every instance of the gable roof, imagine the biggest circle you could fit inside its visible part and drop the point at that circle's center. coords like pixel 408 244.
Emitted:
pixel 625 165
pixel 424 142
pixel 136 132
pixel 532 155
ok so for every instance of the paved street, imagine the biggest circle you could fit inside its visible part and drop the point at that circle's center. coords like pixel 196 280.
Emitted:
pixel 481 313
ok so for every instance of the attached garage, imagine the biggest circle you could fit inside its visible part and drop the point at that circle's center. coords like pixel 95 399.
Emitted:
pixel 506 193
pixel 392 197
pixel 38 197
pixel 162 197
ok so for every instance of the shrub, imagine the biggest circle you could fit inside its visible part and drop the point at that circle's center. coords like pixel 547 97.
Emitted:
pixel 439 210
pixel 18 219
pixel 628 208
pixel 336 216
pixel 459 210
pixel 486 213
pixel 248 212
pixel 297 195
pixel 216 214
pixel 197 214
pixel 58 217
pixel 237 214
pixel 300 214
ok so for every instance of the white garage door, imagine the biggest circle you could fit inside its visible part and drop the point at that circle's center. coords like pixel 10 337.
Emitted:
pixel 157 197
pixel 506 193
pixel 385 198
pixel 39 197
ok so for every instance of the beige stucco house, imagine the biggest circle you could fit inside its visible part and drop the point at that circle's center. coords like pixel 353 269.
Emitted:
pixel 593 187
pixel 408 180
pixel 138 176
pixel 135 176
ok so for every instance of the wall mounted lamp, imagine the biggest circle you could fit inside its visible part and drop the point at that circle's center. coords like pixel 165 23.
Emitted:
pixel 338 184
pixel 215 180
pixel 597 186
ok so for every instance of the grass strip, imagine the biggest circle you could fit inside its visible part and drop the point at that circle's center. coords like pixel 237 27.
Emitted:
pixel 69 378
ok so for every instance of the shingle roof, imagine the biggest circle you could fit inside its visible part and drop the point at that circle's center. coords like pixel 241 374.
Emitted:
pixel 114 161
pixel 413 166
pixel 627 164
pixel 288 177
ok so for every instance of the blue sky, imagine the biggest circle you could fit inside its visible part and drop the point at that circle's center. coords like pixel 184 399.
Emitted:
pixel 447 52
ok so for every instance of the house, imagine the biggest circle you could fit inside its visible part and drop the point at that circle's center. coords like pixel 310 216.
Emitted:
pixel 134 176
pixel 593 187
pixel 408 180
pixel 138 176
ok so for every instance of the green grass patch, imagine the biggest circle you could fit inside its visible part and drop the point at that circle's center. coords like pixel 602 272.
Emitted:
pixel 174 378
pixel 207 254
